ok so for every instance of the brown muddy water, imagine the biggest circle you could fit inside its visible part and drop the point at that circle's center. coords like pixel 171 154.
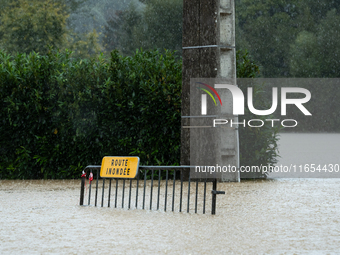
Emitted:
pixel 277 216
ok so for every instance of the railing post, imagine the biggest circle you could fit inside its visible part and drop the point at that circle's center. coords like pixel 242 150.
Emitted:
pixel 215 192
pixel 95 201
pixel 90 189
pixel 82 189
pixel 213 203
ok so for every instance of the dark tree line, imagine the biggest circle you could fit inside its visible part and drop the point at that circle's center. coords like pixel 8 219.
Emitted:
pixel 286 38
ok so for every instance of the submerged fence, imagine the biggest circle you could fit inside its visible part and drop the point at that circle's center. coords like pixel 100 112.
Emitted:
pixel 154 193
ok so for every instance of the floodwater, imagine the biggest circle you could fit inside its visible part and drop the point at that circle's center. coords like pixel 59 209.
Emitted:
pixel 277 216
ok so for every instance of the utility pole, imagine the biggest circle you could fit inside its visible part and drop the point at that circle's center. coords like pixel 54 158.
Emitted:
pixel 209 52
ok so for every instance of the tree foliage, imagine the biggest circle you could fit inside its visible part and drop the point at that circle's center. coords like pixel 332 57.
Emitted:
pixel 33 25
pixel 286 38
pixel 279 34
pixel 123 32
pixel 290 38
pixel 158 25
pixel 28 26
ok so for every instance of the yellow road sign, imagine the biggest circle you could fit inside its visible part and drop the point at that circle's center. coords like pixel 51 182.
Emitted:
pixel 119 167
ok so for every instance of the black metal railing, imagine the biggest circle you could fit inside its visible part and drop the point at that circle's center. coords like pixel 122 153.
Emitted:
pixel 200 195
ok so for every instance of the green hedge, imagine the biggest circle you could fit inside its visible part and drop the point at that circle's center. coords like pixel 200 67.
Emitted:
pixel 59 114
